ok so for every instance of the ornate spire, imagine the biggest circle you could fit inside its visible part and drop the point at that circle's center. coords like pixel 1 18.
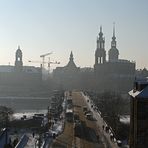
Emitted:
pixel 18 46
pixel 100 33
pixel 114 29
pixel 100 54
pixel 71 56
pixel 113 52
pixel 113 42
pixel 101 28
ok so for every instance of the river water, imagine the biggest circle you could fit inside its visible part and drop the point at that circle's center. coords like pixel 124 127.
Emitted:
pixel 26 105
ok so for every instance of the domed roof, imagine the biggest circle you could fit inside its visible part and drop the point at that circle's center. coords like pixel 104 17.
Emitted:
pixel 18 50
pixel 71 63
pixel 113 51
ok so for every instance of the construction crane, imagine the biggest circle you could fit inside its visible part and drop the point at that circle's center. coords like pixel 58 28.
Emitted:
pixel 49 63
pixel 43 58
pixel 36 62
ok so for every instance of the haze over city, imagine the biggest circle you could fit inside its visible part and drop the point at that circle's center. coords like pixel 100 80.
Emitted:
pixel 73 73
pixel 63 26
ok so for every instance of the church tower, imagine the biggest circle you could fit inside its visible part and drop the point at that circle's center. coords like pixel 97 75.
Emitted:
pixel 18 60
pixel 113 52
pixel 71 65
pixel 100 54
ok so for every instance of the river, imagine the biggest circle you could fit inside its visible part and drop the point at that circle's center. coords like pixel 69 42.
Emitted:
pixel 26 105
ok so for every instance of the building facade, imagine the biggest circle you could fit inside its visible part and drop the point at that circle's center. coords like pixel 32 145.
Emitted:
pixel 67 77
pixel 19 75
pixel 113 74
pixel 139 115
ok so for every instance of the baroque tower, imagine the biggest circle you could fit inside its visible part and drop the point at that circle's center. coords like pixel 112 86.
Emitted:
pixel 18 60
pixel 71 65
pixel 100 54
pixel 113 52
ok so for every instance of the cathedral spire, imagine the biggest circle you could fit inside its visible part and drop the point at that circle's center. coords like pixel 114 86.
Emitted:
pixel 113 42
pixel 113 52
pixel 114 29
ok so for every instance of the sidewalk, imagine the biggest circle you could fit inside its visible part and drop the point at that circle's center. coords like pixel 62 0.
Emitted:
pixel 105 137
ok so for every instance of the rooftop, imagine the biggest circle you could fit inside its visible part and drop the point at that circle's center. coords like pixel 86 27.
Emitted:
pixel 140 89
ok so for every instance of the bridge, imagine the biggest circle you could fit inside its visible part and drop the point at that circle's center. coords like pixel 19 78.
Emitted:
pixel 84 132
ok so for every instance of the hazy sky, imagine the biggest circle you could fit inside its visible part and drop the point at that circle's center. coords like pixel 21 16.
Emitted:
pixel 42 26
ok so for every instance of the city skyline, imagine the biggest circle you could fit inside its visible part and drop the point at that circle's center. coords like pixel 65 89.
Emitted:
pixel 65 26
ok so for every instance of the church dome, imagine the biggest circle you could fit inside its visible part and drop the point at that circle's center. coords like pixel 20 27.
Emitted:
pixel 18 50
pixel 113 54
pixel 114 51
pixel 71 63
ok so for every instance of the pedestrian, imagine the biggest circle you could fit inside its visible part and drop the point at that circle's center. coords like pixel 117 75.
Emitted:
pixel 111 137
pixel 107 129
pixel 33 134
pixel 15 142
pixel 103 127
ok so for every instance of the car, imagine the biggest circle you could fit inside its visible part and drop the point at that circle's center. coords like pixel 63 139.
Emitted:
pixel 86 112
pixel 89 116
pixel 52 133
pixel 119 143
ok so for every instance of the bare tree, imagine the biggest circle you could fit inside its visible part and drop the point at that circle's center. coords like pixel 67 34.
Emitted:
pixel 112 106
pixel 5 113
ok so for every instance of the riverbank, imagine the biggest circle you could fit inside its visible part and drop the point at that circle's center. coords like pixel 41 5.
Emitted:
pixel 24 91
pixel 25 104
